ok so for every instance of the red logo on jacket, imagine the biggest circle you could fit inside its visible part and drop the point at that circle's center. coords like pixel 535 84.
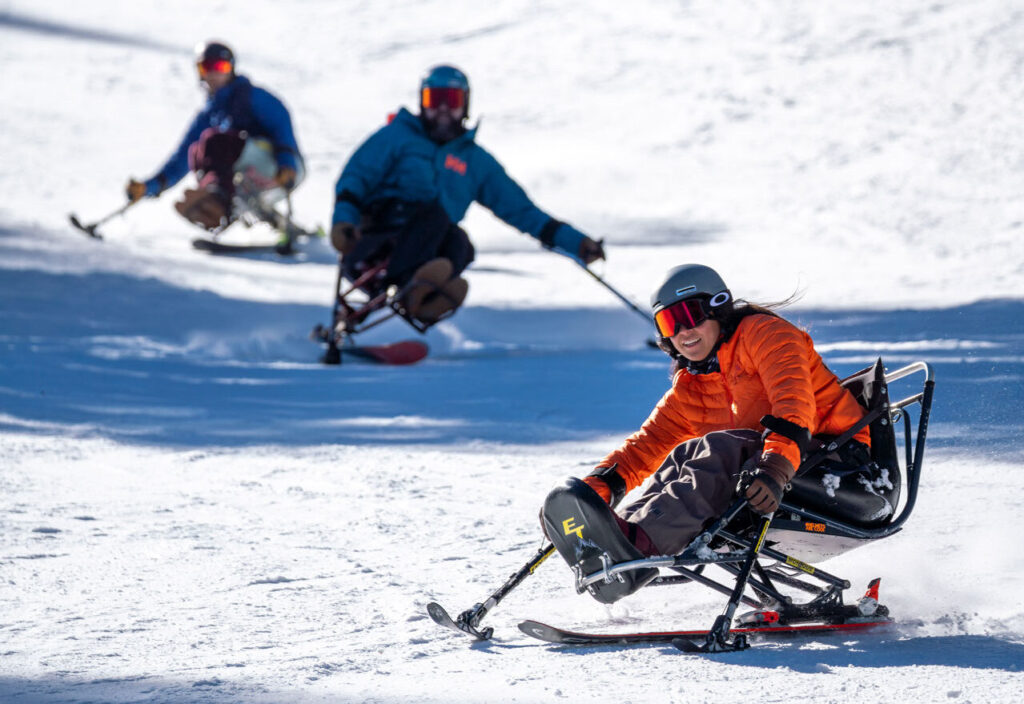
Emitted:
pixel 455 164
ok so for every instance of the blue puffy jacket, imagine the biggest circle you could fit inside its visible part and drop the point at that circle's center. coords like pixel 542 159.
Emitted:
pixel 399 161
pixel 237 106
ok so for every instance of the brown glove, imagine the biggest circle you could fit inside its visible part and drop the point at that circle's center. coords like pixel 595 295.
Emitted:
pixel 764 486
pixel 344 236
pixel 285 178
pixel 590 250
pixel 135 190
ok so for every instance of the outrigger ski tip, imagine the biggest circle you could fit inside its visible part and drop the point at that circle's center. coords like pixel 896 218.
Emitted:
pixel 91 229
pixel 87 229
pixel 464 624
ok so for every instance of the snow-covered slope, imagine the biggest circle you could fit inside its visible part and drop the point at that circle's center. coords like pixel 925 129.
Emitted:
pixel 195 510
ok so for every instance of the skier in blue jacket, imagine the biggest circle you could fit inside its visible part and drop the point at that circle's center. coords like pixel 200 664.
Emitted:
pixel 241 129
pixel 405 189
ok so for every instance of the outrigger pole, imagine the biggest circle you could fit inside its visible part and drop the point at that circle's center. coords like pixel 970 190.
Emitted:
pixel 632 306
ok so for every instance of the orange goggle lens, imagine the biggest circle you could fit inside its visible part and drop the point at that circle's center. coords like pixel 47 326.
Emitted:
pixel 214 66
pixel 454 98
pixel 686 314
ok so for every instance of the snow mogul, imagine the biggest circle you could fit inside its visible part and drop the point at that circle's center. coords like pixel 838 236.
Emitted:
pixel 241 147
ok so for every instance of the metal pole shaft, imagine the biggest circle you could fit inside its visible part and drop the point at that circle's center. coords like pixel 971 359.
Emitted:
pixel 616 293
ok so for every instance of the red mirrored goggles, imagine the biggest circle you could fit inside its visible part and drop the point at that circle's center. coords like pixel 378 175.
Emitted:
pixel 208 66
pixel 686 314
pixel 453 98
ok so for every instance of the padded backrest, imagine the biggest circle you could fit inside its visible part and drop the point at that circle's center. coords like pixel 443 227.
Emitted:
pixel 841 488
pixel 869 388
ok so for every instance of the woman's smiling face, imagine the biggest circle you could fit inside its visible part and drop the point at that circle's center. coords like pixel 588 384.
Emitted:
pixel 696 343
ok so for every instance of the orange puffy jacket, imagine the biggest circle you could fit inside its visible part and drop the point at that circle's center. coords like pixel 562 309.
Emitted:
pixel 768 366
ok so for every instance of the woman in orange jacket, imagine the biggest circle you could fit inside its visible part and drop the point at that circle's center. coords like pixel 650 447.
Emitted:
pixel 734 362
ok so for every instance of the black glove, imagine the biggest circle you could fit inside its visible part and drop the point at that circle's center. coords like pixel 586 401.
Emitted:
pixel 608 484
pixel 764 486
pixel 590 250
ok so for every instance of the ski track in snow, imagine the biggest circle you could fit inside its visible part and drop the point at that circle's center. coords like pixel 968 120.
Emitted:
pixel 194 510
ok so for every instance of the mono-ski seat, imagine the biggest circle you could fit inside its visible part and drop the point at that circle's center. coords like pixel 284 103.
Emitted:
pixel 862 491
pixel 831 509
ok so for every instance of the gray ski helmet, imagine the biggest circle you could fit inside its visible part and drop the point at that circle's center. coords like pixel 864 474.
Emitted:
pixel 693 281
pixel 445 76
pixel 215 51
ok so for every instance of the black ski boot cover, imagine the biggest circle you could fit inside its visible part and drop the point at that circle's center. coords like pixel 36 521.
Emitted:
pixel 582 528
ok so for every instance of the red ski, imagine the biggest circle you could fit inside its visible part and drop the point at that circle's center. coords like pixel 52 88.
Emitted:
pixel 395 353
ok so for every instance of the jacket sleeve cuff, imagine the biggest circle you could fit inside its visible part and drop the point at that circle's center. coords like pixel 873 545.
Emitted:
pixel 155 186
pixel 567 238
pixel 778 466
pixel 613 480
pixel 345 212
pixel 287 158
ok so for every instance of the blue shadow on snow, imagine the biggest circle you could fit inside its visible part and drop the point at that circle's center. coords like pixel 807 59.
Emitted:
pixel 143 361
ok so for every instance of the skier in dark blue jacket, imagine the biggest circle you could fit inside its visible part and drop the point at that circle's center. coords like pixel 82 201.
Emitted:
pixel 405 189
pixel 241 129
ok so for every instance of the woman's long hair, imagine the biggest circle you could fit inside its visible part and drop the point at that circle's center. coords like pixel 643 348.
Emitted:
pixel 739 310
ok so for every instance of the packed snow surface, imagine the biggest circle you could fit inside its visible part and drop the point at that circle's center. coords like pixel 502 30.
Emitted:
pixel 194 510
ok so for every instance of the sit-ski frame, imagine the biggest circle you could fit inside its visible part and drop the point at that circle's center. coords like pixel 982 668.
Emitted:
pixel 351 317
pixel 249 208
pixel 828 597
pixel 743 563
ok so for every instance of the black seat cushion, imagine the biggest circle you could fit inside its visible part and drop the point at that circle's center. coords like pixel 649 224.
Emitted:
pixel 851 485
pixel 861 494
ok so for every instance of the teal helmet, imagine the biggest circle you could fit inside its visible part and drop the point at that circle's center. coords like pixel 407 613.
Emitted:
pixel 448 77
